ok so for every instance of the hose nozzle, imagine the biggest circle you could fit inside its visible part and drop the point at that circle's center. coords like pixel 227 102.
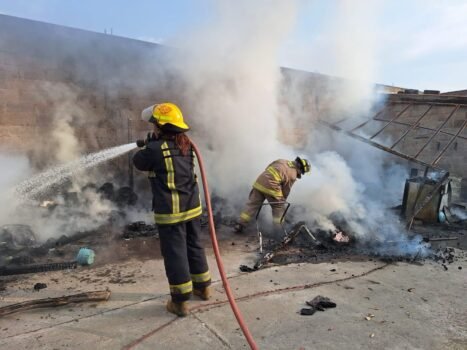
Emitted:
pixel 140 143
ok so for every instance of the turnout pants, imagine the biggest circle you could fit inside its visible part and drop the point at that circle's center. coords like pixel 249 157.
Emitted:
pixel 255 201
pixel 185 262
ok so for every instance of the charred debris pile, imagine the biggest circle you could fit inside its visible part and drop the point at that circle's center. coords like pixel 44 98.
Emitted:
pixel 22 249
pixel 440 238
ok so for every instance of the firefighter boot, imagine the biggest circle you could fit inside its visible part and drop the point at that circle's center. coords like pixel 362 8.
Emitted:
pixel 179 309
pixel 203 293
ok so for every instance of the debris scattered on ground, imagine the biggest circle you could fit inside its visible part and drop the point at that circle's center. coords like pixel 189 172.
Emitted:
pixel 293 233
pixel 102 295
pixel 318 303
pixel 307 311
pixel 17 236
pixel 448 256
pixel 85 257
pixel 39 286
pixel 139 229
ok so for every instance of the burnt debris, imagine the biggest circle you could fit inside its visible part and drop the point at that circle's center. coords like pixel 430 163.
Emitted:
pixel 318 303
pixel 139 229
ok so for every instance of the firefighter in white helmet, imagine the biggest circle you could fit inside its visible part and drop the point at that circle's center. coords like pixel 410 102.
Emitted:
pixel 274 185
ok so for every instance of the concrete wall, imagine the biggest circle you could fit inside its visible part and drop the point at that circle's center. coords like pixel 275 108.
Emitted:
pixel 52 76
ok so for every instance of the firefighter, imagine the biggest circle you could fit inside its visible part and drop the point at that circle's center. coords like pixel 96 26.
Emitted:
pixel 274 185
pixel 168 158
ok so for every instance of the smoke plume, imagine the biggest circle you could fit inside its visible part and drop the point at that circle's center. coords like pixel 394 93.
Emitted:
pixel 245 111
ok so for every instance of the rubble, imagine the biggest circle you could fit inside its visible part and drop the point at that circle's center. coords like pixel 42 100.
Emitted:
pixel 139 229
pixel 17 236
pixel 38 286
pixel 445 256
pixel 318 303
pixel 321 303
pixel 289 237
pixel 85 257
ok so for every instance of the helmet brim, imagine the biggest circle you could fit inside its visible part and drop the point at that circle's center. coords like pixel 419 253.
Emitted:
pixel 175 128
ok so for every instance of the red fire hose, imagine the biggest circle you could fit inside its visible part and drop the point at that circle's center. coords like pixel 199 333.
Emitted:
pixel 220 265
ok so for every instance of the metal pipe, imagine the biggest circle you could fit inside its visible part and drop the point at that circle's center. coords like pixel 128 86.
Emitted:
pixel 440 239
pixel 377 145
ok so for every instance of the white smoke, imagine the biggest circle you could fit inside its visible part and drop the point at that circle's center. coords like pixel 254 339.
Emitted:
pixel 245 113
pixel 23 186
pixel 231 76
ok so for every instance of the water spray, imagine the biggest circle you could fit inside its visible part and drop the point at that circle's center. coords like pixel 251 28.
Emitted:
pixel 44 182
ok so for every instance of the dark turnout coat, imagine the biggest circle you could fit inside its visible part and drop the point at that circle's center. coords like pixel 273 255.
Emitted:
pixel 173 181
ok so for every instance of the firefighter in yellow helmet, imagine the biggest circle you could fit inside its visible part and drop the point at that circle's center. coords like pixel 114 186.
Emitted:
pixel 168 158
pixel 274 185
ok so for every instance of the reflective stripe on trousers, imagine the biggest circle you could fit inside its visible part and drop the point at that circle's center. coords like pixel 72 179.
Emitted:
pixel 183 288
pixel 201 277
pixel 168 219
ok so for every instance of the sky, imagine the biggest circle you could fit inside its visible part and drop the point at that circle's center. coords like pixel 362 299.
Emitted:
pixel 419 44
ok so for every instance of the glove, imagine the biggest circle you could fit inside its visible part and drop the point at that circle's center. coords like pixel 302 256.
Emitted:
pixel 150 137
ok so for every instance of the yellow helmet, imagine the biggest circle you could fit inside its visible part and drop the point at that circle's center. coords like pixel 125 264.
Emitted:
pixel 167 114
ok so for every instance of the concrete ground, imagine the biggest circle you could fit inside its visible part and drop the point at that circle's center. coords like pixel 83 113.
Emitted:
pixel 379 306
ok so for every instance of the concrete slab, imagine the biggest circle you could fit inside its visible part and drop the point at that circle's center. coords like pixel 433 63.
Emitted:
pixel 414 307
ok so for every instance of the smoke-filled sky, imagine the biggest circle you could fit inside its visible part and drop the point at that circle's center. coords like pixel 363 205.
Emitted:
pixel 414 43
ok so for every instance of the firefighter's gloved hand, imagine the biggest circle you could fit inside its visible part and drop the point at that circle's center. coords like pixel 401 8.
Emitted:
pixel 150 137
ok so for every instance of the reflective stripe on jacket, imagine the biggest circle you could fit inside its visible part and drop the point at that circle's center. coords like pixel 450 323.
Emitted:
pixel 278 179
pixel 173 182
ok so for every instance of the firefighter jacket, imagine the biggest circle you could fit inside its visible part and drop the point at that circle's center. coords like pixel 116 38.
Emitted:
pixel 173 182
pixel 277 180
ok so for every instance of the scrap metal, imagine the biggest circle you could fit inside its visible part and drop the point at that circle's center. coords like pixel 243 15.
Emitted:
pixel 433 164
pixel 289 237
